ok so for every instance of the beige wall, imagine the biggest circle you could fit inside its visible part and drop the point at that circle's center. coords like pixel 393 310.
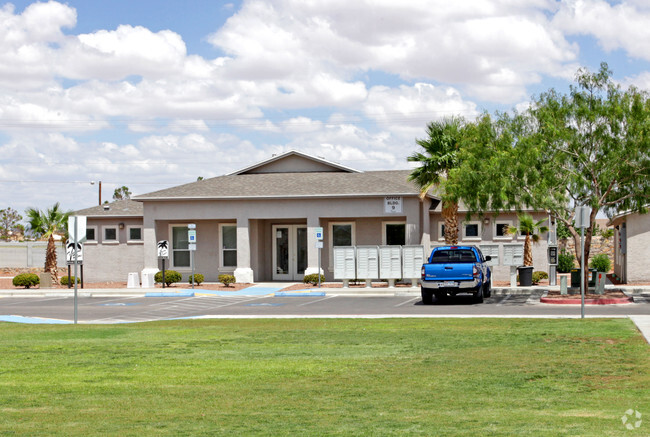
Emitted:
pixel 638 248
pixel 108 261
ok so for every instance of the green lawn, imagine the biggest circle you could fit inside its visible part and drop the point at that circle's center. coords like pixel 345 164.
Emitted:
pixel 325 377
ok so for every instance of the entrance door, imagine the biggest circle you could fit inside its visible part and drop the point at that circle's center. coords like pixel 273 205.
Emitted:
pixel 289 252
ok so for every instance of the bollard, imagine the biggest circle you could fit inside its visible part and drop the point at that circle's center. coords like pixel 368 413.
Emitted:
pixel 563 289
pixel 601 278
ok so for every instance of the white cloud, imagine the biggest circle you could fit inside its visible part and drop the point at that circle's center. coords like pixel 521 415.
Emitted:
pixel 623 25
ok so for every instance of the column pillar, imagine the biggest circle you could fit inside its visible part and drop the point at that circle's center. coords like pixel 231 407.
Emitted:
pixel 313 222
pixel 243 272
pixel 425 239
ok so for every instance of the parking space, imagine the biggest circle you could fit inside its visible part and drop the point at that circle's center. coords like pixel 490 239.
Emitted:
pixel 142 309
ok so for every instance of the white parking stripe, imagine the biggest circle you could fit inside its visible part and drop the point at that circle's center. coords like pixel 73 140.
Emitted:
pixel 314 301
pixel 408 301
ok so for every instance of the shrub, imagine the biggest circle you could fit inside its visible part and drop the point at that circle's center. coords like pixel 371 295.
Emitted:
pixel 26 280
pixel 538 276
pixel 64 280
pixel 198 278
pixel 171 276
pixel 565 262
pixel 313 279
pixel 226 279
pixel 601 263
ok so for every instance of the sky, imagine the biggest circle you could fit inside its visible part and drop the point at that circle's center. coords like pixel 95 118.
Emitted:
pixel 150 94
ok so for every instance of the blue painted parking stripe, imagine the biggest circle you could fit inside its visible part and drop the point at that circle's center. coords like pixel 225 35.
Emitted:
pixel 170 294
pixel 299 294
pixel 33 320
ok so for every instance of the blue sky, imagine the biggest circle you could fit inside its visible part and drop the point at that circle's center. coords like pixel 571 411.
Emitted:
pixel 151 94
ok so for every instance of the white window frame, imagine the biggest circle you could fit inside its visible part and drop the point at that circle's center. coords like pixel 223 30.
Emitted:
pixel 384 239
pixel 128 235
pixel 95 240
pixel 330 243
pixel 502 237
pixel 479 224
pixel 117 235
pixel 222 249
pixel 171 246
pixel 441 234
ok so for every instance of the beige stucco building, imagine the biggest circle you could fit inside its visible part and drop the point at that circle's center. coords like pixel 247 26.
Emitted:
pixel 632 247
pixel 260 223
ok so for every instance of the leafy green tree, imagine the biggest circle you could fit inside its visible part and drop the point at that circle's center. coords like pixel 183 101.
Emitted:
pixel 44 224
pixel 532 230
pixel 122 193
pixel 9 223
pixel 440 155
pixel 589 147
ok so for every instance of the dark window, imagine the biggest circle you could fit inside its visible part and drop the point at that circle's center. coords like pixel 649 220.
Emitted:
pixel 453 256
pixel 502 230
pixel 471 230
pixel 229 245
pixel 396 234
pixel 110 234
pixel 341 235
pixel 90 234
pixel 135 233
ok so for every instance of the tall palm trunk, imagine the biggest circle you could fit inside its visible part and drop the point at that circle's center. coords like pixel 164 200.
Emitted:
pixel 50 259
pixel 450 214
pixel 528 251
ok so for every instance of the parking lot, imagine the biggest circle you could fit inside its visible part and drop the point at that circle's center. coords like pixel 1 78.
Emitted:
pixel 106 310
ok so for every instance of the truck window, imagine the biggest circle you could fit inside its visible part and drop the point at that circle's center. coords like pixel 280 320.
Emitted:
pixel 453 256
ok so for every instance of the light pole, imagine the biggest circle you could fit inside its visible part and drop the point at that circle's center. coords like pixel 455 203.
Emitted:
pixel 100 190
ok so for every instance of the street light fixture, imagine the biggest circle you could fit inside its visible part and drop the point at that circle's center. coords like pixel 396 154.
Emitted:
pixel 100 190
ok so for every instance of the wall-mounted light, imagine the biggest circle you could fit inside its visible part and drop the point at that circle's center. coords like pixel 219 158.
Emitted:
pixel 121 225
pixel 486 221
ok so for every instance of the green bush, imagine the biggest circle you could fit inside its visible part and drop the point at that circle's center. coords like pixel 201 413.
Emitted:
pixel 171 276
pixel 565 262
pixel 227 279
pixel 313 279
pixel 26 280
pixel 601 263
pixel 538 276
pixel 64 280
pixel 198 278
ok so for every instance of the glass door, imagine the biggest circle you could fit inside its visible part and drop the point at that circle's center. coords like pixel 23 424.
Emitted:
pixel 289 252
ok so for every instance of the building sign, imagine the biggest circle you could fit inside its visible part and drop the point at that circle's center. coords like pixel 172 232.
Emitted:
pixel 393 204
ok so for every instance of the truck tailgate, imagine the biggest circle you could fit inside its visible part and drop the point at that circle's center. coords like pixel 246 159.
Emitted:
pixel 449 272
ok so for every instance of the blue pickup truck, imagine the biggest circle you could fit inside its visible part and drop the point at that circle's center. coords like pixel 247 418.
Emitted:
pixel 451 270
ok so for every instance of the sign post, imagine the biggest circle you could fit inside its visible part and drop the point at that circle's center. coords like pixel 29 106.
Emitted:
pixel 319 246
pixel 582 221
pixel 191 243
pixel 78 225
pixel 163 254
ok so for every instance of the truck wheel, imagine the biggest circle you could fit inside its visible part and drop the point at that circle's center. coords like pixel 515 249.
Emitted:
pixel 488 289
pixel 478 295
pixel 427 296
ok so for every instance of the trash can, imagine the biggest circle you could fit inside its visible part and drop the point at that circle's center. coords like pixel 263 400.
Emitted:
pixel 525 276
pixel 575 278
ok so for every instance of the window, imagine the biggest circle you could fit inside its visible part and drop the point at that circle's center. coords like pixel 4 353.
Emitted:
pixel 472 230
pixel 501 230
pixel 134 233
pixel 228 245
pixel 342 234
pixel 394 234
pixel 110 234
pixel 441 231
pixel 91 234
pixel 180 248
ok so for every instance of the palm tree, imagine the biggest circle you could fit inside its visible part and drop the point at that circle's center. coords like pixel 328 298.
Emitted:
pixel 45 225
pixel 440 155
pixel 531 229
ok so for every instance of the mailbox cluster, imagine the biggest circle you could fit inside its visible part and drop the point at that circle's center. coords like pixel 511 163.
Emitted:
pixel 377 262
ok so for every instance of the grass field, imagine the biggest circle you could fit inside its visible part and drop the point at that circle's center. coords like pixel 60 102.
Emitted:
pixel 325 377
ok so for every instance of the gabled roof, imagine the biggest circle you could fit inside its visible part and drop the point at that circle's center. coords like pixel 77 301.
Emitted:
pixel 294 162
pixel 292 185
pixel 119 208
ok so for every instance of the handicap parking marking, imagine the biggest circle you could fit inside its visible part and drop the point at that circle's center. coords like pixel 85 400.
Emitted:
pixel 34 320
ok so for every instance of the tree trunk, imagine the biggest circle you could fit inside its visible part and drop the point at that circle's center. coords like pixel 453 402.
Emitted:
pixel 528 251
pixel 50 259
pixel 450 214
